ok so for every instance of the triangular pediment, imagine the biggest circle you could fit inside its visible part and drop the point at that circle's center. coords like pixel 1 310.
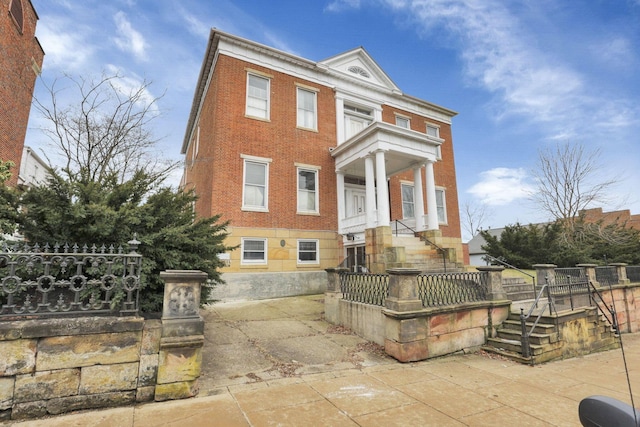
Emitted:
pixel 358 64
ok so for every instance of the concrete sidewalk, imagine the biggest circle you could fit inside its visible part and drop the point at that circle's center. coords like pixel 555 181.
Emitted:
pixel 270 368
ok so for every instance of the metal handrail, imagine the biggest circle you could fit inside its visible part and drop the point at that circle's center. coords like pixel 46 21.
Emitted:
pixel 506 264
pixel 526 349
pixel 613 321
pixel 427 241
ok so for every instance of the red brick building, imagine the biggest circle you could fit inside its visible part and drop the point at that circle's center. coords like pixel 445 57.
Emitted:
pixel 316 165
pixel 20 62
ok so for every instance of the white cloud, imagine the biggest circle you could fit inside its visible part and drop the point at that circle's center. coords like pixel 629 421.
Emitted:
pixel 128 39
pixel 65 50
pixel 194 25
pixel 340 5
pixel 501 186
pixel 502 54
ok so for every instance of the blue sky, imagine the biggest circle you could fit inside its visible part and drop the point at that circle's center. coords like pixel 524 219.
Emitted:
pixel 523 75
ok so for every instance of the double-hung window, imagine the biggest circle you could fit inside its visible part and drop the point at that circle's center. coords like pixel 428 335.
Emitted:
pixel 308 252
pixel 441 205
pixel 307 190
pixel 254 251
pixel 307 109
pixel 256 184
pixel 402 122
pixel 434 131
pixel 257 96
pixel 408 204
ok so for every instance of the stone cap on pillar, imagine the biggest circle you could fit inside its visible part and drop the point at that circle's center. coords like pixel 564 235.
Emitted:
pixel 182 290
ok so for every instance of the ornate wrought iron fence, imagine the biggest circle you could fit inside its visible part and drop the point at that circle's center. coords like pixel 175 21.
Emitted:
pixel 452 288
pixel 61 280
pixel 365 288
pixel 577 274
pixel 633 273
pixel 607 275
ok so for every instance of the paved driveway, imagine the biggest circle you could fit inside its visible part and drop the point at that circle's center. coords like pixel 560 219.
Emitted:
pixel 254 341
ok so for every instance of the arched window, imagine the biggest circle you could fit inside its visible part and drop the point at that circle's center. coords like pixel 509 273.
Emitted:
pixel 16 12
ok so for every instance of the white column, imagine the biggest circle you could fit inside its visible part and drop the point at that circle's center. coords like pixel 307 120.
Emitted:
pixel 432 208
pixel 418 199
pixel 339 120
pixel 341 206
pixel 370 181
pixel 382 191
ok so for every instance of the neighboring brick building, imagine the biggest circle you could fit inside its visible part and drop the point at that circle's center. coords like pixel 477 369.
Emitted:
pixel 290 151
pixel 20 62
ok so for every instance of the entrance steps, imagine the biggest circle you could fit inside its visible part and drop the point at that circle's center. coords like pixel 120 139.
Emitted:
pixel 561 335
pixel 412 252
pixel 518 289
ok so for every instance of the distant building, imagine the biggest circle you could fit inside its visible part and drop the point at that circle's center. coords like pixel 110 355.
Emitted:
pixel 20 62
pixel 621 217
pixel 476 253
pixel 33 170
pixel 312 163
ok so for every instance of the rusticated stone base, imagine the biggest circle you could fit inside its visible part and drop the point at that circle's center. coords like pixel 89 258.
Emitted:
pixel 40 408
pixel 177 390
pixel 408 351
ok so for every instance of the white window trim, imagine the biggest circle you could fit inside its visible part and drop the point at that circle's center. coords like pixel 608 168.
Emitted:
pixel 433 126
pixel 401 117
pixel 246 106
pixel 313 91
pixel 412 185
pixel 266 162
pixel 317 260
pixel 444 202
pixel 309 168
pixel 254 261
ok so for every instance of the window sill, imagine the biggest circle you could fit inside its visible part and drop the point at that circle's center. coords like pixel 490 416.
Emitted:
pixel 308 213
pixel 262 119
pixel 307 129
pixel 249 209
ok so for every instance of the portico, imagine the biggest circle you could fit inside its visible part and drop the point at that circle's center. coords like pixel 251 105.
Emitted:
pixel 376 153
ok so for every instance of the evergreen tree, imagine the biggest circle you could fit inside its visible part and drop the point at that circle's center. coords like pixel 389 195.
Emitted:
pixel 87 213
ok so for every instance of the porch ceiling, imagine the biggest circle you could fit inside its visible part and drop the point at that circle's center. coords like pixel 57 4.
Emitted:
pixel 404 149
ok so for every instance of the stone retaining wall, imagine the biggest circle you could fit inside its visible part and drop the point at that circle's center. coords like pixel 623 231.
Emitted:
pixel 411 332
pixel 52 366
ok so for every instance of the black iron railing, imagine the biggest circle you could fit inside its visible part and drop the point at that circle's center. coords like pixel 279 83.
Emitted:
pixel 452 288
pixel 633 273
pixel 365 288
pixel 45 281
pixel 607 275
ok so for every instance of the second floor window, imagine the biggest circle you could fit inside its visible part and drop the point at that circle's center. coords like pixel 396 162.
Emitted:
pixel 255 191
pixel 307 117
pixel 307 190
pixel 257 96
pixel 408 205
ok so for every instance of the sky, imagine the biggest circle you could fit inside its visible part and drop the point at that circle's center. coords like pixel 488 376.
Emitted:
pixel 523 75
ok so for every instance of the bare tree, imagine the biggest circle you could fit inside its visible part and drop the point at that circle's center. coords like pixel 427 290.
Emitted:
pixel 569 180
pixel 103 132
pixel 474 217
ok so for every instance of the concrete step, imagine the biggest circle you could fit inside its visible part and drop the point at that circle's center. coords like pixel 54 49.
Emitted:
pixel 534 338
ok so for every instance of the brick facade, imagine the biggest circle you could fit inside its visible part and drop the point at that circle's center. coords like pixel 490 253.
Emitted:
pixel 220 137
pixel 20 61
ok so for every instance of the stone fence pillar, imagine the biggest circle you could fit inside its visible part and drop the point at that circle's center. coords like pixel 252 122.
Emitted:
pixel 621 269
pixel 182 338
pixel 545 274
pixel 590 272
pixel 405 317
pixel 333 295
pixel 495 290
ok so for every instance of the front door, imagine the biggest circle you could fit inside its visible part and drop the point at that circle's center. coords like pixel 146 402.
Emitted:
pixel 356 199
